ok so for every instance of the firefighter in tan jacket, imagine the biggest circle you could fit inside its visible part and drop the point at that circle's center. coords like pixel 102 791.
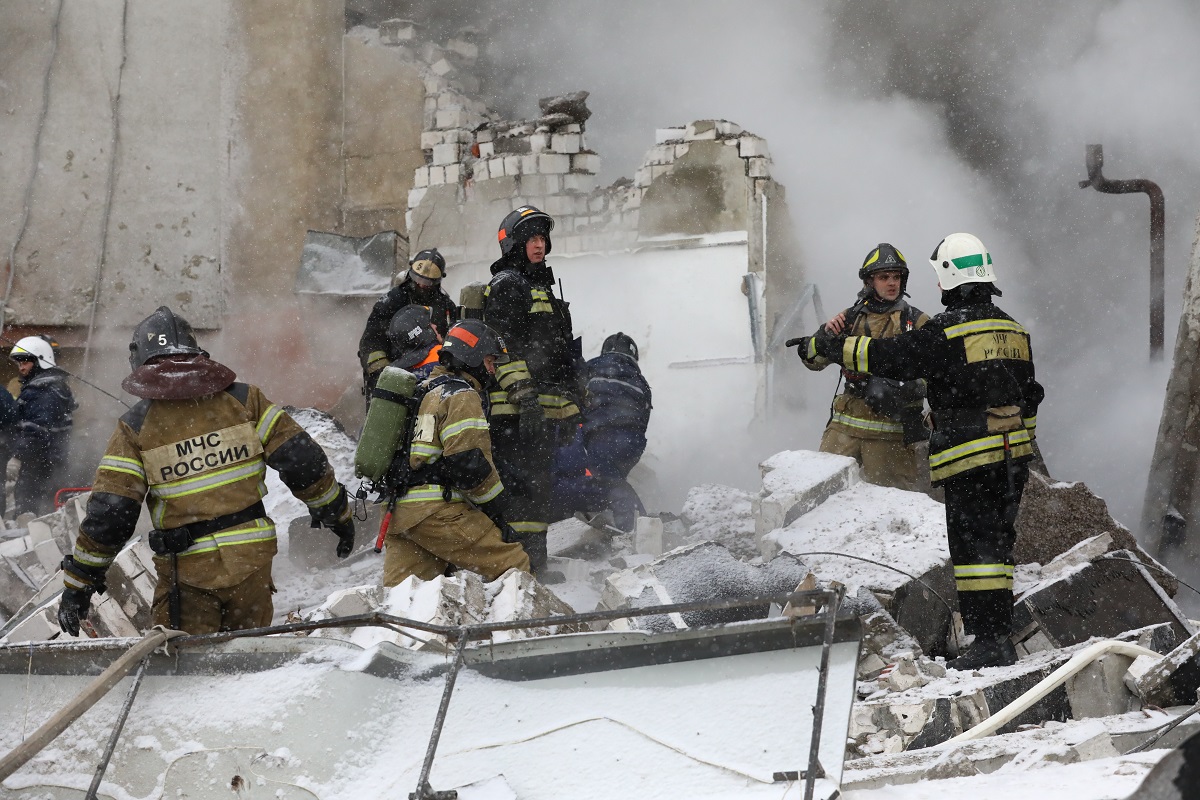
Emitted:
pixel 875 420
pixel 196 449
pixel 450 459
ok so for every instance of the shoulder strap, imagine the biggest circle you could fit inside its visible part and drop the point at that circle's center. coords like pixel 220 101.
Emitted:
pixel 136 416
pixel 240 392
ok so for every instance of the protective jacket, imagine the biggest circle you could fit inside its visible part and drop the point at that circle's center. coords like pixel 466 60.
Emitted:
pixel 199 460
pixel 451 454
pixel 618 395
pixel 373 347
pixel 851 413
pixel 44 417
pixel 520 304
pixel 978 365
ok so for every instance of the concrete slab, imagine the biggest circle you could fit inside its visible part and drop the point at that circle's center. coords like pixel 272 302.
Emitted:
pixel 796 481
pixel 1174 679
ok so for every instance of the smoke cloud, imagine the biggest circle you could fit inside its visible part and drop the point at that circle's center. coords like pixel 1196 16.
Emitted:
pixel 904 122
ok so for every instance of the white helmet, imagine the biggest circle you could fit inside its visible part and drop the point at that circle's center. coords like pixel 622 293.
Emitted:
pixel 961 258
pixel 34 348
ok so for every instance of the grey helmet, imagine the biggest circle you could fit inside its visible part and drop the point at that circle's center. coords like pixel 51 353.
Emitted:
pixel 163 333
pixel 411 334
pixel 620 343
pixel 469 342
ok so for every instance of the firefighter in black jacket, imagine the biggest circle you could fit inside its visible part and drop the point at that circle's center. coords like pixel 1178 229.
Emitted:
pixel 421 286
pixel 534 410
pixel 983 398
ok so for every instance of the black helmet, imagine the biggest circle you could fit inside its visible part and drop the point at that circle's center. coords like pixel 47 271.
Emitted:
pixel 620 343
pixel 883 257
pixel 163 333
pixel 411 335
pixel 428 264
pixel 521 225
pixel 469 342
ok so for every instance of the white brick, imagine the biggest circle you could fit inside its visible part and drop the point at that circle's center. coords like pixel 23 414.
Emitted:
pixel 569 244
pixel 554 163
pixel 554 183
pixel 727 128
pixel 662 154
pixel 750 146
pixel 485 135
pixel 408 220
pixel 431 104
pixel 452 118
pixel 559 205
pixel 642 177
pixel 698 130
pixel 581 204
pixel 395 31
pixel 420 177
pixel 460 135
pixel 512 165
pixel 578 182
pixel 668 135
pixel 757 168
pixel 681 150
pixel 574 127
pixel 533 184
pixel 529 165
pixel 597 204
pixel 565 143
pixel 442 67
pixel 454 173
pixel 415 196
pixel 480 170
pixel 48 555
pixel 437 175
pixel 496 167
pixel 539 142
pixel 446 154
pixel 585 162
pixel 463 48
pixel 449 100
pixel 436 84
pixel 659 171
pixel 633 202
pixel 487 149
pixel 431 139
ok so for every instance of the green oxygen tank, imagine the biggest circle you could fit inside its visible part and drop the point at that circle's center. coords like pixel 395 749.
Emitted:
pixel 387 422
pixel 470 299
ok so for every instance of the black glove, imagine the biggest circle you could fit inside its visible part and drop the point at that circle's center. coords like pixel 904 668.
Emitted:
pixel 800 343
pixel 73 608
pixel 532 420
pixel 828 345
pixel 345 533
pixel 80 582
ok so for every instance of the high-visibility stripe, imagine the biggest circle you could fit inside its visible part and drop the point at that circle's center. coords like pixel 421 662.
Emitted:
pixel 326 497
pixel 203 483
pixel 982 570
pixel 978 445
pixel 377 360
pixel 90 559
pixel 972 260
pixel 983 326
pixel 129 466
pixel 504 408
pixel 429 491
pixel 529 527
pixel 429 451
pixel 1030 423
pixel 978 453
pixel 262 530
pixel 983 584
pixel 472 423
pixel 867 424
pixel 854 353
pixel 626 384
pixel 812 348
pixel 541 308
pixel 511 372
pixel 490 494
pixel 266 423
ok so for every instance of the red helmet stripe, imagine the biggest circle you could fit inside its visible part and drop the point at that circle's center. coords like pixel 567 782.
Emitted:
pixel 463 335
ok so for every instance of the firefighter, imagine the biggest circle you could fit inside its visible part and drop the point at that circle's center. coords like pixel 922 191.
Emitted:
pixel 612 437
pixel 983 398
pixel 196 448
pixel 433 529
pixel 43 430
pixel 876 420
pixel 413 341
pixel 535 408
pixel 422 286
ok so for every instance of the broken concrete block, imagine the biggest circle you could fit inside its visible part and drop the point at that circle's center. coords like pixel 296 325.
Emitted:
pixel 512 165
pixel 454 173
pixel 353 601
pixel 1174 679
pixel 700 572
pixel 663 135
pixel 446 154
pixel 648 536
pixel 397 31
pixel 487 149
pixel 520 596
pixel 726 128
pixel 797 481
pixel 1105 599
pixel 577 182
pixel 758 168
pixel 1054 516
pixel 431 139
pixel 573 105
pixel 1099 690
pixel 421 177
pixel 572 538
pixel 565 142
pixel 49 556
pixel 585 162
pixel 452 118
pixel 553 163
pixel 750 146
pixel 701 129
pixel 442 67
pixel 539 142
pixel 415 196
pixel 721 514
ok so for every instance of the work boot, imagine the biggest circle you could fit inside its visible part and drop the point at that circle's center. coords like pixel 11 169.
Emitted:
pixel 986 651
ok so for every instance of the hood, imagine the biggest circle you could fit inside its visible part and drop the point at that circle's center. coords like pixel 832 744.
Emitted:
pixel 541 274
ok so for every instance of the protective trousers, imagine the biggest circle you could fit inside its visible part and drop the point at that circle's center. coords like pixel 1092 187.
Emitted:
pixel 457 535
pixel 240 607
pixel 525 467
pixel 981 512
pixel 884 462
pixel 37 481
pixel 611 454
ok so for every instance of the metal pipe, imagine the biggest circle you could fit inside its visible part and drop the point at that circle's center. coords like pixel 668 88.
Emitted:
pixel 833 601
pixel 1158 224
pixel 116 734
pixel 424 790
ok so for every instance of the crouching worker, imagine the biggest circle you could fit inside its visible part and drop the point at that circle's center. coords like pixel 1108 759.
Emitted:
pixel 196 448
pixel 450 460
